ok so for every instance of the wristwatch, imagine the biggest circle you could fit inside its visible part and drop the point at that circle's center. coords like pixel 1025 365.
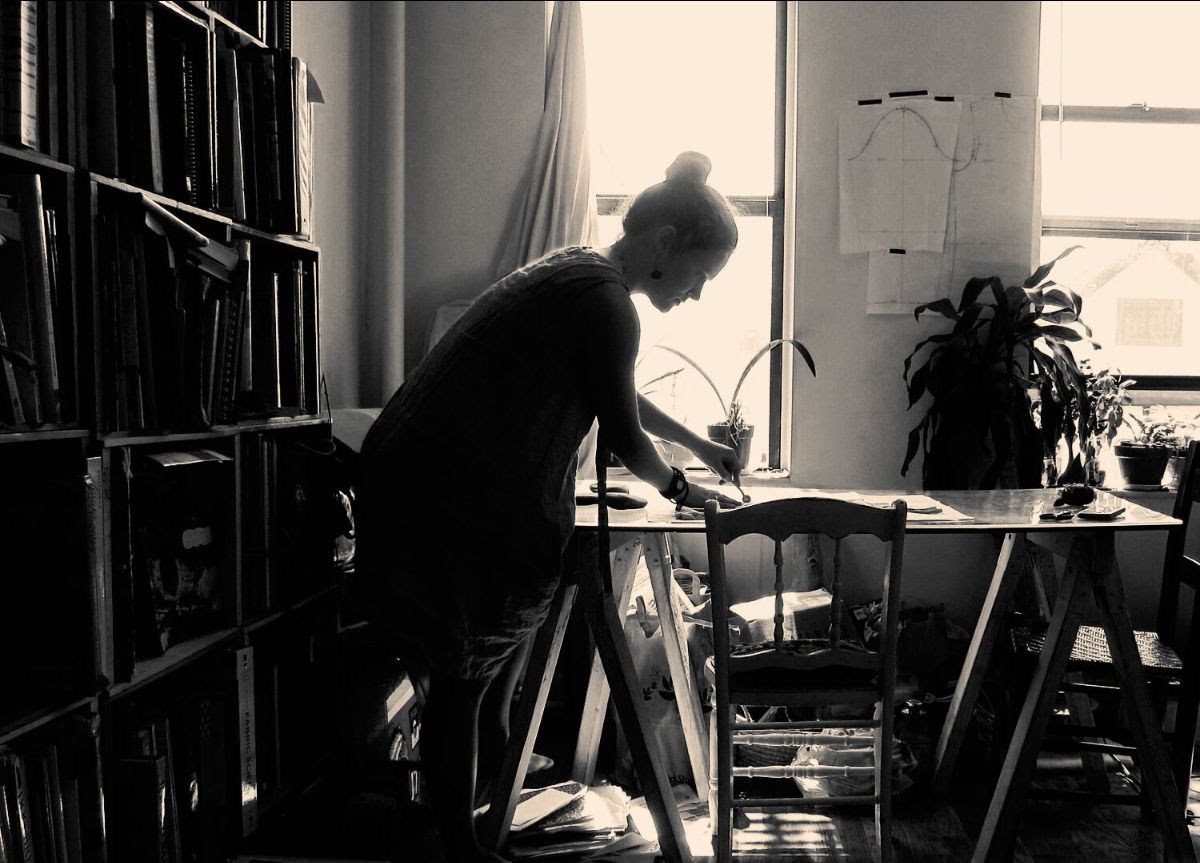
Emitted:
pixel 677 489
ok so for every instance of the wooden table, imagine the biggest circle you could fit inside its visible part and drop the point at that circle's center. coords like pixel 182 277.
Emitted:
pixel 1011 514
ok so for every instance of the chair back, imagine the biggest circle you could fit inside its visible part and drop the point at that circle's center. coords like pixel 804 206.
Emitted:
pixel 778 520
pixel 1180 569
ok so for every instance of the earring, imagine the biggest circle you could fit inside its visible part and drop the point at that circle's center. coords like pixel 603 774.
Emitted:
pixel 656 274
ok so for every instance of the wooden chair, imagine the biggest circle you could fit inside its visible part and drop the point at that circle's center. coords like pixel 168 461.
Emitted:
pixel 807 673
pixel 1171 659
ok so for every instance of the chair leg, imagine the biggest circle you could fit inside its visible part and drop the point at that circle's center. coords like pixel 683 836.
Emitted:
pixel 714 780
pixel 883 782
pixel 723 848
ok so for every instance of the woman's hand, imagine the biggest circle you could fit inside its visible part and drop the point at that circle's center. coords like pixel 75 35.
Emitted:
pixel 721 460
pixel 698 494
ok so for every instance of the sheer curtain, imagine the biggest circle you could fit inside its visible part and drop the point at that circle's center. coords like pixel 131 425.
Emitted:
pixel 558 208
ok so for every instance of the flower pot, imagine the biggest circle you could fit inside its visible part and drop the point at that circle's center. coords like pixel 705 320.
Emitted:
pixel 1174 472
pixel 719 433
pixel 1141 465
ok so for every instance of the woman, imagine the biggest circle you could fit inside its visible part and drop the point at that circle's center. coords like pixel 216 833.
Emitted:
pixel 469 497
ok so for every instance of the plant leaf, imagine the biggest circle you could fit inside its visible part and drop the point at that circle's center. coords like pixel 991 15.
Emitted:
pixel 763 352
pixel 943 307
pixel 703 374
pixel 1044 270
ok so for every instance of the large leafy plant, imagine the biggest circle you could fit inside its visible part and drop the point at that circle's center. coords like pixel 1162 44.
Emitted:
pixel 1008 349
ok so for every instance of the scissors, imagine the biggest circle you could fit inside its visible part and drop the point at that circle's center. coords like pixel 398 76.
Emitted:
pixel 1065 514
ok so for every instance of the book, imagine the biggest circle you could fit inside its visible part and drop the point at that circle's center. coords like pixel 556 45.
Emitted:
pixel 231 172
pixel 20 816
pixel 19 73
pixel 137 95
pixel 101 119
pixel 230 338
pixel 140 807
pixel 11 410
pixel 8 851
pixel 27 189
pixel 47 77
pixel 247 740
pixel 303 126
pixel 17 311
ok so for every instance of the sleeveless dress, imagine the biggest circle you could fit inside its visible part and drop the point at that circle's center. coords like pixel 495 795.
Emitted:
pixel 468 499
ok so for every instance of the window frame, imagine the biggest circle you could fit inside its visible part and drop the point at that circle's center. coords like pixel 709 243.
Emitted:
pixel 1118 228
pixel 771 206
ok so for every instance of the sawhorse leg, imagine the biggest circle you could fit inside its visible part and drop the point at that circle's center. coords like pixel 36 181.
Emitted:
pixel 607 629
pixel 595 706
pixel 979 655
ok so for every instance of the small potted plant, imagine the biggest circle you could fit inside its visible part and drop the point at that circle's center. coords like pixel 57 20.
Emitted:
pixel 732 429
pixel 1143 458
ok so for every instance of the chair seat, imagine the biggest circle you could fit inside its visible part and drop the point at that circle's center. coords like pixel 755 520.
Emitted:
pixel 1091 648
pixel 780 677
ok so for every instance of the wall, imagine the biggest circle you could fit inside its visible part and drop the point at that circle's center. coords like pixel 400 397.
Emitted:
pixel 472 80
pixel 333 38
pixel 474 76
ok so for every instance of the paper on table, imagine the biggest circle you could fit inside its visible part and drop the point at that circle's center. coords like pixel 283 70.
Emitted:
pixel 921 507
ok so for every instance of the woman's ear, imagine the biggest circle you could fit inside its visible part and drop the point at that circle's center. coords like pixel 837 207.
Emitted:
pixel 664 240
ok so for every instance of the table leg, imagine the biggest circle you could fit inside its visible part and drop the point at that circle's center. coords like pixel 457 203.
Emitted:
pixel 595 706
pixel 998 835
pixel 979 654
pixel 1153 759
pixel 528 719
pixel 608 629
pixel 668 596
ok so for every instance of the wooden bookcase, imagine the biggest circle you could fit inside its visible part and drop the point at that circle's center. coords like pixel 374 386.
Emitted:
pixel 169 584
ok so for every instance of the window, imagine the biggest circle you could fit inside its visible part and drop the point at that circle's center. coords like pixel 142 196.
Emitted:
pixel 1120 133
pixel 668 77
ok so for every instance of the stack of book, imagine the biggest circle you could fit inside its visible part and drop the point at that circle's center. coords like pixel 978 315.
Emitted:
pixel 150 94
pixel 571 821
pixel 37 320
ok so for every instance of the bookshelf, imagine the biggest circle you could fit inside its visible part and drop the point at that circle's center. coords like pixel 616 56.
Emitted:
pixel 170 537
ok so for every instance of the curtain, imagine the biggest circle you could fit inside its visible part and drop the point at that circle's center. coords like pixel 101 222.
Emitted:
pixel 558 208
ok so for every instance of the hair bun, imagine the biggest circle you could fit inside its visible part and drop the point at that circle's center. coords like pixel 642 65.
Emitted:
pixel 689 167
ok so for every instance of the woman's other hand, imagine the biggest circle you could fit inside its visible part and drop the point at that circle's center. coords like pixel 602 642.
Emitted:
pixel 721 460
pixel 698 494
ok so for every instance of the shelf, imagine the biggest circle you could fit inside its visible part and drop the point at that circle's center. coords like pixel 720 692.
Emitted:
pixel 284 239
pixel 200 212
pixel 26 722
pixel 176 657
pixel 43 434
pixel 116 439
pixel 122 186
pixel 271 617
pixel 222 20
pixel 33 157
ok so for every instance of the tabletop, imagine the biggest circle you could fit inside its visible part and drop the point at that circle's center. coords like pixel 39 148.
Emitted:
pixel 991 510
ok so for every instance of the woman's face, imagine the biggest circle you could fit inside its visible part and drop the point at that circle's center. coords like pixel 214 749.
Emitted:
pixel 684 277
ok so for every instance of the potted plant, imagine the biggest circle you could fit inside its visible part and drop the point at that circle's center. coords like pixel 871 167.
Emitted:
pixel 732 429
pixel 1143 458
pixel 1007 354
pixel 1107 396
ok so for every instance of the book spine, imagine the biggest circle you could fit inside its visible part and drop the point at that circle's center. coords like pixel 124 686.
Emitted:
pixel 19 75
pixel 101 581
pixel 41 303
pixel 8 853
pixel 20 814
pixel 48 94
pixel 247 740
pixel 14 412
pixel 304 148
pixel 231 337
pixel 101 122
